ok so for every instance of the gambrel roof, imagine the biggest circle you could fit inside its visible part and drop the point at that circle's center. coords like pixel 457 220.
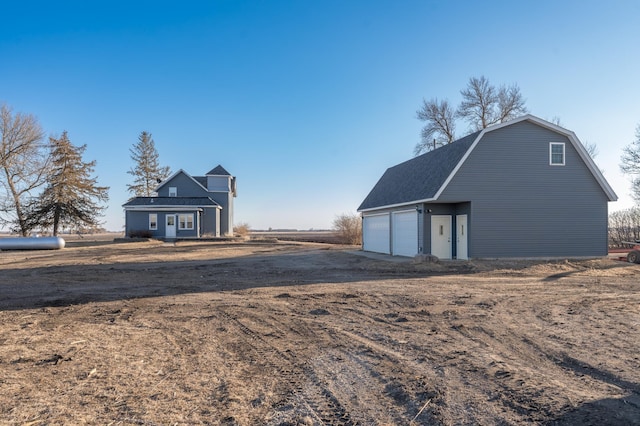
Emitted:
pixel 423 178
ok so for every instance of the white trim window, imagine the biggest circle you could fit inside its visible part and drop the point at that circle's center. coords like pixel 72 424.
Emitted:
pixel 153 221
pixel 185 221
pixel 556 153
pixel 173 191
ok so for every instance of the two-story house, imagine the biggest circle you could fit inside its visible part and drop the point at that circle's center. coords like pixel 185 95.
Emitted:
pixel 185 207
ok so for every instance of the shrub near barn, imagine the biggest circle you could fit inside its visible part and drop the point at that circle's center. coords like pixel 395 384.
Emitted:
pixel 349 228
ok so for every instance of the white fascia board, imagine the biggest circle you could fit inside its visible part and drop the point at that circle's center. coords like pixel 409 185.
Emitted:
pixel 391 206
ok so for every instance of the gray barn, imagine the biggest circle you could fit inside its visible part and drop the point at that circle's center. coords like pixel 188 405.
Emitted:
pixel 524 188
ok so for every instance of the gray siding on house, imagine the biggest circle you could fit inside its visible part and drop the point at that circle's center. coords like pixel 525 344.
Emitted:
pixel 521 206
pixel 186 186
pixel 139 221
pixel 225 199
pixel 218 183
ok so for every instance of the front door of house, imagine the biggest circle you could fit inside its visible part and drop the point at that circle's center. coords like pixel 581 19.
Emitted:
pixel 462 252
pixel 170 230
pixel 441 236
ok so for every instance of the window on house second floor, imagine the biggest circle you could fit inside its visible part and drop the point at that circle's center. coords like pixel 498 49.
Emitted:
pixel 173 191
pixel 556 154
pixel 153 221
pixel 185 221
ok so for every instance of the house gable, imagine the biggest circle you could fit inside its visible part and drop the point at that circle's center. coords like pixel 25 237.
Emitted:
pixel 186 186
pixel 218 171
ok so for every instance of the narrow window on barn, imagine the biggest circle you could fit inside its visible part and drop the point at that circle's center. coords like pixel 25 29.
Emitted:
pixel 173 191
pixel 153 221
pixel 556 154
pixel 185 221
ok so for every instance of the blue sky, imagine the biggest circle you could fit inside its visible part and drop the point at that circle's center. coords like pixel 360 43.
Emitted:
pixel 307 103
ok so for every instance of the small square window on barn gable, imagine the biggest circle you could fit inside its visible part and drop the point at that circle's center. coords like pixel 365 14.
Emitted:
pixel 556 153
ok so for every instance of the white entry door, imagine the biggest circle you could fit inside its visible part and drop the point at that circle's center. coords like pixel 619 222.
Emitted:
pixel 170 230
pixel 404 231
pixel 462 252
pixel 441 236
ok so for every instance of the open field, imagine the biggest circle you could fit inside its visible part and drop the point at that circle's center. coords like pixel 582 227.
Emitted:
pixel 152 333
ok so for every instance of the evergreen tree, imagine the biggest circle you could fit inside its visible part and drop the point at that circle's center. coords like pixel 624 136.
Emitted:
pixel 71 194
pixel 147 172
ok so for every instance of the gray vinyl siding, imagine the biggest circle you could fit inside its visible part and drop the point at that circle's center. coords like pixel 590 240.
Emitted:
pixel 210 222
pixel 139 221
pixel 521 206
pixel 186 186
pixel 219 183
pixel 225 199
pixel 206 222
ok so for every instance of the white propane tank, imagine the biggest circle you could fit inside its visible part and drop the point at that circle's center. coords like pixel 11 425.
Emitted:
pixel 26 243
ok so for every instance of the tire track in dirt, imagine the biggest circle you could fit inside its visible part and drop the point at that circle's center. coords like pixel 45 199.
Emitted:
pixel 301 378
pixel 371 382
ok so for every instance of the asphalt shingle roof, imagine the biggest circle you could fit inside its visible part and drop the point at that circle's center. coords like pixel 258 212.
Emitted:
pixel 419 178
pixel 171 201
pixel 219 171
pixel 202 180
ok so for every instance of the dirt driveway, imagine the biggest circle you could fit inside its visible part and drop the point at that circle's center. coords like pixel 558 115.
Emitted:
pixel 308 334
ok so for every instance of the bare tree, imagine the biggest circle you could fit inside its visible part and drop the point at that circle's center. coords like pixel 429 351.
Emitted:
pixel 510 103
pixel 592 149
pixel 483 105
pixel 630 164
pixel 147 172
pixel 624 225
pixel 72 196
pixel 439 128
pixel 23 166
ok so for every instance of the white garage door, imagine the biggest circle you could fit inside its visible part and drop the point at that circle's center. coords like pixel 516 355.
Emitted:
pixel 375 233
pixel 405 233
